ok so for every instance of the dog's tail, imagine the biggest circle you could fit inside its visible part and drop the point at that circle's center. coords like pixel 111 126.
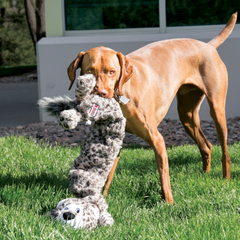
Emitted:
pixel 223 35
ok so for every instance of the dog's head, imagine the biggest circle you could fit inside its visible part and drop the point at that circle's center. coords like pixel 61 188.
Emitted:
pixel 111 69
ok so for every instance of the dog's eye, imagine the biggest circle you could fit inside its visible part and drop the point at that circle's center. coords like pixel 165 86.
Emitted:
pixel 77 210
pixel 66 208
pixel 89 71
pixel 111 73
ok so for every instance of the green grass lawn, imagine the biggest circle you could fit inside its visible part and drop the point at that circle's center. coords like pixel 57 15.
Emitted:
pixel 34 178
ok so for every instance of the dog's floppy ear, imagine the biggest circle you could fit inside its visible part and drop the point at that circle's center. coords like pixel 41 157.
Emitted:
pixel 126 70
pixel 75 64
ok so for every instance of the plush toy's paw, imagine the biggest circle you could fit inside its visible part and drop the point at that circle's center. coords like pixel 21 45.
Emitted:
pixel 105 219
pixel 69 119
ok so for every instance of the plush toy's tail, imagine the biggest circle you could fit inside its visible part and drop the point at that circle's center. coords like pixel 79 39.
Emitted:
pixel 54 106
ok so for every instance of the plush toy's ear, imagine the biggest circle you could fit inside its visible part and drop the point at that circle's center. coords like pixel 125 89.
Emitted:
pixel 60 203
pixel 126 70
pixel 75 64
pixel 54 213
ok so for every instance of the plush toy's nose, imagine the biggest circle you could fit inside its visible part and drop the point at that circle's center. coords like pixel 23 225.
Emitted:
pixel 68 216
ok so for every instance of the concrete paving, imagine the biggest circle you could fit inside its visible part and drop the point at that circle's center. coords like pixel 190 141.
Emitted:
pixel 18 104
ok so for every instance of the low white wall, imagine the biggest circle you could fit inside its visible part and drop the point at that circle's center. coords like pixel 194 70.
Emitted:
pixel 56 53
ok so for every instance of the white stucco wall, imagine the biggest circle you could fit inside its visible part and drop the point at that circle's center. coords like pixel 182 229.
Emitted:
pixel 54 54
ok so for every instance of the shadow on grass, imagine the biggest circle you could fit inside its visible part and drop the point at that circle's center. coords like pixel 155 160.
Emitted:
pixel 45 179
pixel 136 146
pixel 235 175
pixel 41 186
pixel 218 175
pixel 143 166
pixel 184 160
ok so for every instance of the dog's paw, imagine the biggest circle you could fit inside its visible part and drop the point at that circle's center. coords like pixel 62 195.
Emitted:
pixel 69 119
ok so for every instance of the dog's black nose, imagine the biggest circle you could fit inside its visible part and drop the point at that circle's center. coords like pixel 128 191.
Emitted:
pixel 68 216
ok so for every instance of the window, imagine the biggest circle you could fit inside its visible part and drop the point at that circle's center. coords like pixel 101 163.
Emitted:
pixel 145 14
pixel 111 14
pixel 203 12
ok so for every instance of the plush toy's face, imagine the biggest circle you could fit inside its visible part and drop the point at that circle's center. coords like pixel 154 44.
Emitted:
pixel 77 213
pixel 85 85
pixel 72 214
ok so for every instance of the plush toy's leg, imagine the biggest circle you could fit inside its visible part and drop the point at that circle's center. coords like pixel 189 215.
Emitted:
pixel 106 219
pixel 110 176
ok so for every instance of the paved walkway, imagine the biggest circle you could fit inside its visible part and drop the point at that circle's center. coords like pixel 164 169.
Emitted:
pixel 18 104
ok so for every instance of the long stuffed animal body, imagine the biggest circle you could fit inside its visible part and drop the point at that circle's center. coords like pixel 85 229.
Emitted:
pixel 102 145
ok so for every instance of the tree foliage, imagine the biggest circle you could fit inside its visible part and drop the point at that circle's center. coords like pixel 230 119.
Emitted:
pixel 22 25
pixel 35 14
pixel 15 41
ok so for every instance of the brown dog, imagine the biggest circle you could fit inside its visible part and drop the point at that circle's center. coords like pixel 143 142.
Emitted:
pixel 150 77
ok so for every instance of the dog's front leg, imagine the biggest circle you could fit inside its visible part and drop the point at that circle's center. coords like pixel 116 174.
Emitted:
pixel 162 165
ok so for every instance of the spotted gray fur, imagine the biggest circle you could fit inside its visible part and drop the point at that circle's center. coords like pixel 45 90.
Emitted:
pixel 102 145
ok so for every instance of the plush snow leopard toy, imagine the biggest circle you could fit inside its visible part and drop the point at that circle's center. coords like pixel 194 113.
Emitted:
pixel 85 212
pixel 102 145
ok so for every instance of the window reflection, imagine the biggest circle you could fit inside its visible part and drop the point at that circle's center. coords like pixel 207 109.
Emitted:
pixel 203 12
pixel 111 14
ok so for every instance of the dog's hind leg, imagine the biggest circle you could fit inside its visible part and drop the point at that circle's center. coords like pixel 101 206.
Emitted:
pixel 188 111
pixel 217 112
pixel 216 81
pixel 110 176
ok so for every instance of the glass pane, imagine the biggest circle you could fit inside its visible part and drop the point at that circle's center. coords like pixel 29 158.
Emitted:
pixel 203 12
pixel 111 14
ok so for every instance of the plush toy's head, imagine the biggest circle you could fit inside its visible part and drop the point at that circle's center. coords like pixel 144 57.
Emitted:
pixel 76 213
pixel 84 85
pixel 72 215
